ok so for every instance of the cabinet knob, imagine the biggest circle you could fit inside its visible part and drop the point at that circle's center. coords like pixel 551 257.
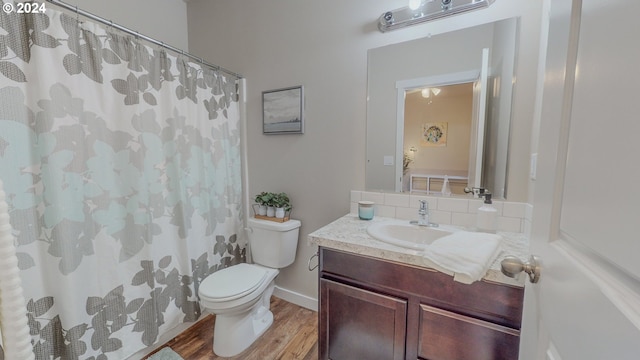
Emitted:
pixel 512 266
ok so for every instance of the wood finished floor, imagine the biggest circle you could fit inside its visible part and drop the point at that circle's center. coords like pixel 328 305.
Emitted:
pixel 293 336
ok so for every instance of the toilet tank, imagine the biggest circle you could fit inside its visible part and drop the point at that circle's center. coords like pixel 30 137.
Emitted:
pixel 273 244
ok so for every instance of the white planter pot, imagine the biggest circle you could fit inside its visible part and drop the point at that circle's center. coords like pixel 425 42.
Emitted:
pixel 262 210
pixel 271 211
pixel 280 213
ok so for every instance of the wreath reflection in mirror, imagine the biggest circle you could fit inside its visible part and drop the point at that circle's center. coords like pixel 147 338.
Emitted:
pixel 434 134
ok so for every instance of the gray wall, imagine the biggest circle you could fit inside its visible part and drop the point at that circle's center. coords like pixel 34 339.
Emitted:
pixel 323 46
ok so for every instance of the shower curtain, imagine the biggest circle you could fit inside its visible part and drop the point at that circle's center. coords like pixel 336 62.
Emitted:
pixel 121 167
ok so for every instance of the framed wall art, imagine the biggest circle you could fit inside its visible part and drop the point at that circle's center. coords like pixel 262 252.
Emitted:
pixel 434 134
pixel 283 111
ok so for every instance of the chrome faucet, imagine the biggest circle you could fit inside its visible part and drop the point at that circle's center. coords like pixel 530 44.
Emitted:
pixel 423 215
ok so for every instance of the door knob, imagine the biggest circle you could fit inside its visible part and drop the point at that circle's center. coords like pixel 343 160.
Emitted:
pixel 512 266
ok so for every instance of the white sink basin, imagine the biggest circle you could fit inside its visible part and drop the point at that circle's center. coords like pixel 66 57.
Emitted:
pixel 404 234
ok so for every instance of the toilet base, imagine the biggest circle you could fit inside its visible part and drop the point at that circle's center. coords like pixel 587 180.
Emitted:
pixel 235 333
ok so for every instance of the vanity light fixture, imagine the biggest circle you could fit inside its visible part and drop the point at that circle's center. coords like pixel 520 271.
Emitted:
pixel 419 11
pixel 415 4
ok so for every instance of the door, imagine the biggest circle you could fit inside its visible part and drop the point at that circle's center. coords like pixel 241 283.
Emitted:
pixel 360 324
pixel 586 202
pixel 445 335
pixel 476 142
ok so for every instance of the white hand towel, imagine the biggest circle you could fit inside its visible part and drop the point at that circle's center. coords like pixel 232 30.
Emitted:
pixel 466 255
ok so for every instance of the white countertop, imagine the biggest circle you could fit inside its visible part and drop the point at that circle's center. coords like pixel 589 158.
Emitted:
pixel 349 234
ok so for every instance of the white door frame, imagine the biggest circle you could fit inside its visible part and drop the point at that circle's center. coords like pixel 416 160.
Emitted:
pixel 430 81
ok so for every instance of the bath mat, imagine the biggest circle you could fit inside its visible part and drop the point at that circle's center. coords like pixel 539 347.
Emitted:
pixel 165 354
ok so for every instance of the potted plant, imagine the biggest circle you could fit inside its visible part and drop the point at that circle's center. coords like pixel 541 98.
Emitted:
pixel 271 210
pixel 282 204
pixel 406 161
pixel 264 199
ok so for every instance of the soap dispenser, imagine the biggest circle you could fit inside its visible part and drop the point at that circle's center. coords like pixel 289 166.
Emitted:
pixel 446 189
pixel 487 217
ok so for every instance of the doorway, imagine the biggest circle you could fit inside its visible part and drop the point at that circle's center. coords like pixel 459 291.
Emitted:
pixel 437 129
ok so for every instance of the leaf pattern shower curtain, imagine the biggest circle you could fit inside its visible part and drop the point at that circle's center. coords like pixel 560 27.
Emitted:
pixel 121 165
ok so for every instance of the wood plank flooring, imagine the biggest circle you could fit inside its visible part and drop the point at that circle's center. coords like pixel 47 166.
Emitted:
pixel 293 336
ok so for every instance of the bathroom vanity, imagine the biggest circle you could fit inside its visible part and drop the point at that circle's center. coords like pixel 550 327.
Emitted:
pixel 379 301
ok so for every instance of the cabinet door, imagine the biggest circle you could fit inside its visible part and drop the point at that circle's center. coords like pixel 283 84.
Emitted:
pixel 360 324
pixel 449 336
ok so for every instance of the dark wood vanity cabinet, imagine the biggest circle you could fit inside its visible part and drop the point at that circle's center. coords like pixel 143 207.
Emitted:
pixel 375 322
pixel 377 309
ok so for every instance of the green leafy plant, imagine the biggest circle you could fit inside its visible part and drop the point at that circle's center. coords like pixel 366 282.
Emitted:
pixel 265 198
pixel 281 200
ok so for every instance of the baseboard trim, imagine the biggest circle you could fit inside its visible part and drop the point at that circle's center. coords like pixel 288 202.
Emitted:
pixel 296 298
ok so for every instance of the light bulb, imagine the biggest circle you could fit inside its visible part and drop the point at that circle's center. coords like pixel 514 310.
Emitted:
pixel 425 93
pixel 414 4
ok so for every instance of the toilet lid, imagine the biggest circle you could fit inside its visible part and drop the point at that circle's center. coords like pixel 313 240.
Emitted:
pixel 233 282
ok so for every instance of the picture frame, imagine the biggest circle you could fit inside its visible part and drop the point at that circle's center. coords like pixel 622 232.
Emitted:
pixel 434 134
pixel 283 111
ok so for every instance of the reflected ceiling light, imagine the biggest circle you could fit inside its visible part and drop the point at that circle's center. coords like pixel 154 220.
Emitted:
pixel 419 11
pixel 426 92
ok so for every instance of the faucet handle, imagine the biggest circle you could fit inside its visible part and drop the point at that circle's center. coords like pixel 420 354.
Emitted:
pixel 424 205
pixel 477 192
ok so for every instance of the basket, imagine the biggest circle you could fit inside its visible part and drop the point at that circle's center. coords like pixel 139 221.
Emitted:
pixel 286 217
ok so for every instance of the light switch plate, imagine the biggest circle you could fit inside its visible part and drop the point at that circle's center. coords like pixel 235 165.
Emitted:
pixel 388 160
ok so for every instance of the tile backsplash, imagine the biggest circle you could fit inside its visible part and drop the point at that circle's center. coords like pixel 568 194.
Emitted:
pixel 512 216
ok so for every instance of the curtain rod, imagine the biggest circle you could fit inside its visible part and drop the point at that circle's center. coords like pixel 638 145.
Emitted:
pixel 138 35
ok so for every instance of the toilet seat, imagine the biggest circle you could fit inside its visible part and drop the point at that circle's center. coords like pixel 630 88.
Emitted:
pixel 233 282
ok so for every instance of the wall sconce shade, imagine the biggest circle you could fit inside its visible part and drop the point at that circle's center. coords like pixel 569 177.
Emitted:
pixel 415 4
pixel 427 11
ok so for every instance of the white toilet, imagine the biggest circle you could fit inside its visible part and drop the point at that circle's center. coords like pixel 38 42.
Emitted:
pixel 239 295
